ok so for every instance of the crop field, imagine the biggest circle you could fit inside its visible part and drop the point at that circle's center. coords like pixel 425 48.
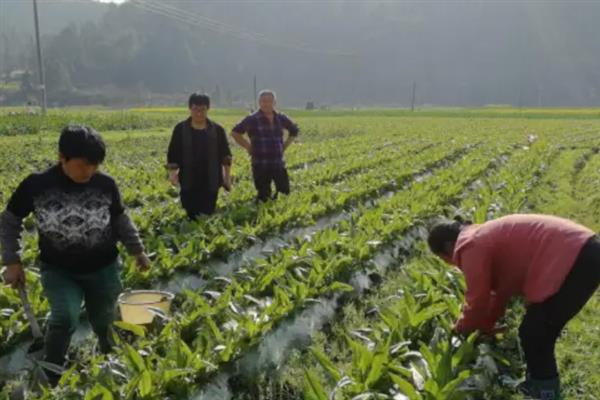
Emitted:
pixel 330 292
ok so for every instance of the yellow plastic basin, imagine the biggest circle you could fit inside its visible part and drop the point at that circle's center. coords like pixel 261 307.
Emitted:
pixel 134 305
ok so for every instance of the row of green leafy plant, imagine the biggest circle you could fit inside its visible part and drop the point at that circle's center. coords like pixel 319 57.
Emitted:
pixel 131 154
pixel 372 367
pixel 23 123
pixel 137 158
pixel 194 251
pixel 30 254
pixel 270 290
pixel 224 230
pixel 398 342
pixel 571 190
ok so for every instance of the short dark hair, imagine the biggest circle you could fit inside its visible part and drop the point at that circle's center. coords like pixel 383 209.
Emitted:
pixel 444 231
pixel 199 99
pixel 267 92
pixel 81 141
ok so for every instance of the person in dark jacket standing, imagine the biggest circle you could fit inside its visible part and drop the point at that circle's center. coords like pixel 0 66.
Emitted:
pixel 267 145
pixel 199 159
pixel 79 217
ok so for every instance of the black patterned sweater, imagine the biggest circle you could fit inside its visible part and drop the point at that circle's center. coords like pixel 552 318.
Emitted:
pixel 78 224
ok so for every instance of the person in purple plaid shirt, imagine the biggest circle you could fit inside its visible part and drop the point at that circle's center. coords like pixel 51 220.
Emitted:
pixel 267 145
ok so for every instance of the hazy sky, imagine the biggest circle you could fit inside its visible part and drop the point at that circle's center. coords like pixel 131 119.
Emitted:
pixel 458 52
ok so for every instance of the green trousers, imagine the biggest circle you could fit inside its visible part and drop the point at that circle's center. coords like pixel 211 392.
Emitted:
pixel 66 291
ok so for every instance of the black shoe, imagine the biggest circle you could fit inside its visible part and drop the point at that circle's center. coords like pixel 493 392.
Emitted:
pixel 541 389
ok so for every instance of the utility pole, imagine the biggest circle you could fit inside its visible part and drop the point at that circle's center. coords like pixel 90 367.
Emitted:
pixel 5 67
pixel 42 74
pixel 255 95
pixel 413 96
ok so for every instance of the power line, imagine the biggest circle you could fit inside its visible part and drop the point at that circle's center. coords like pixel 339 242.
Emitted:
pixel 4 63
pixel 2 36
pixel 40 57
pixel 226 29
pixel 216 26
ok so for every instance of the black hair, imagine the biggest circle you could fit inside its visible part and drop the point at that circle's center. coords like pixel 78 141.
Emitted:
pixel 199 99
pixel 80 141
pixel 445 231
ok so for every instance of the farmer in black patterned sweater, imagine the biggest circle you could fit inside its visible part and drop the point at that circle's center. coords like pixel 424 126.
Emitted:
pixel 80 217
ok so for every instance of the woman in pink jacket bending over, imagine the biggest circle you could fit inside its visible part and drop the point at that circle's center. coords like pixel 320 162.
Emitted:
pixel 553 263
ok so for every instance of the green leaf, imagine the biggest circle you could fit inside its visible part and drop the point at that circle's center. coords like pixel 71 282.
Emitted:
pixel 389 317
pixel 427 355
pixel 313 389
pixel 181 353
pixel 214 329
pixel 326 363
pixel 361 357
pixel 379 363
pixel 417 377
pixel 145 383
pixel 444 368
pixel 450 388
pixel 465 353
pixel 171 374
pixel 431 387
pixel 427 314
pixel 282 299
pixel 397 369
pixel 137 330
pixel 135 358
pixel 405 387
pixel 341 287
pixel 377 369
pixel 98 392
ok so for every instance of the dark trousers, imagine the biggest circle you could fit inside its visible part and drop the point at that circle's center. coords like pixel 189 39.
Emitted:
pixel 264 175
pixel 544 322
pixel 65 292
pixel 198 201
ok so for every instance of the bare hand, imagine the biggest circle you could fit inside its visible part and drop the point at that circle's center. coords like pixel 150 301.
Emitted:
pixel 143 262
pixel 14 275
pixel 174 177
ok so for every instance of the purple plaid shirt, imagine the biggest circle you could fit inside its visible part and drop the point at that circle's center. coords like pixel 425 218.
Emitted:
pixel 266 139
